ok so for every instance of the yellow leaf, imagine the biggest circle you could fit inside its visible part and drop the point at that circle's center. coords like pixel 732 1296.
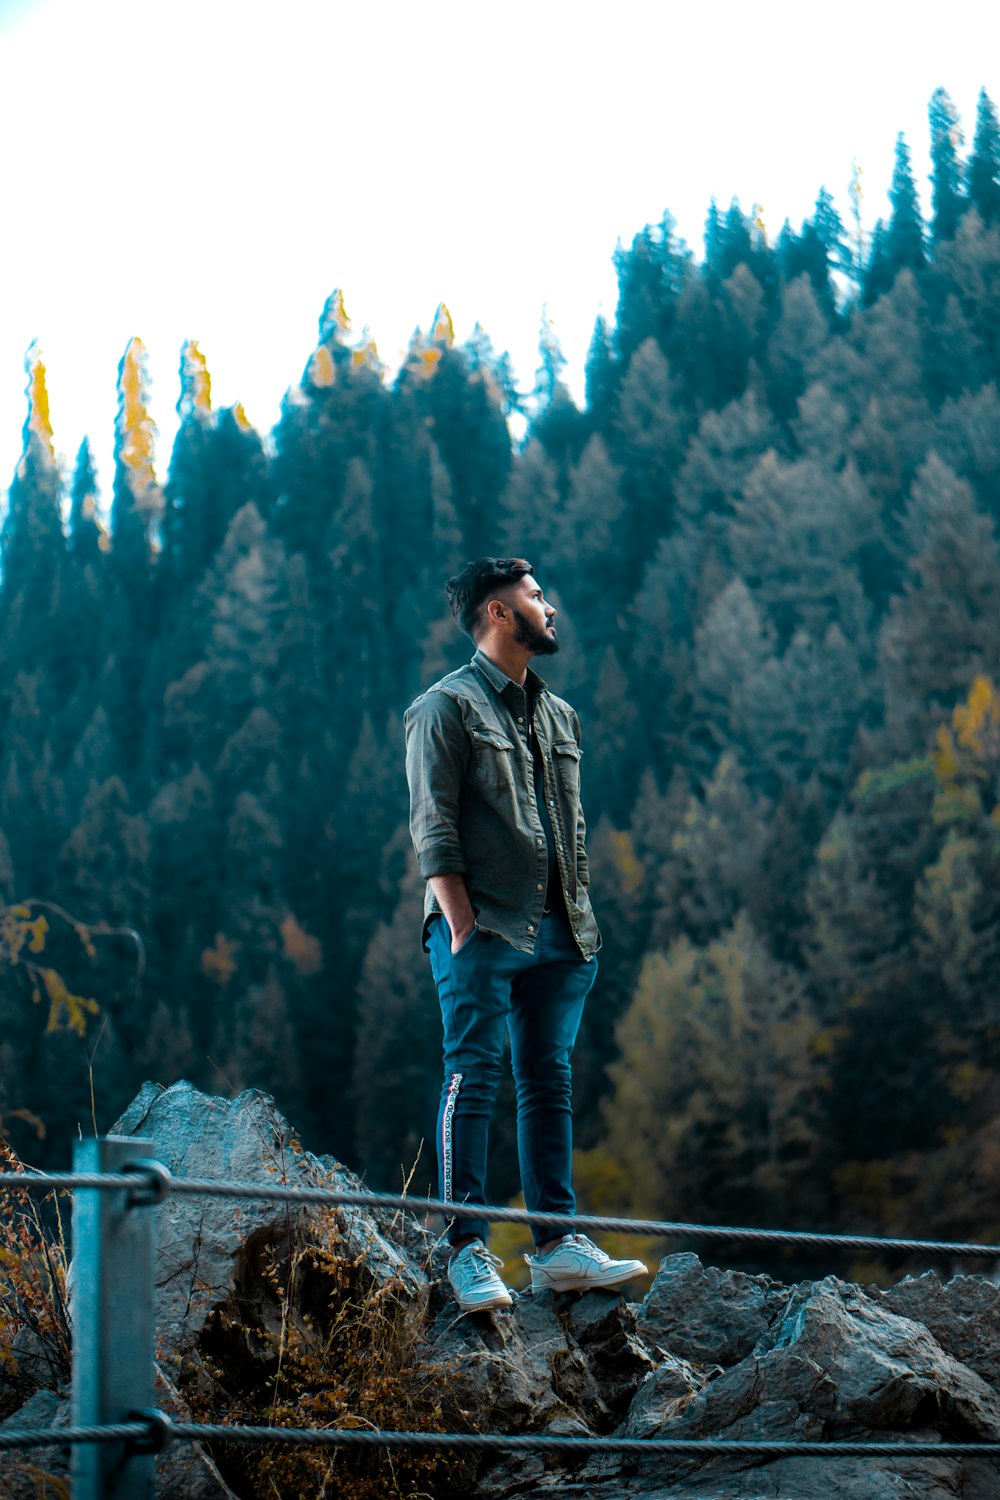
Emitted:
pixel 77 1007
pixel 443 331
pixel 219 961
pixel 302 950
pixel 38 928
pixel 321 368
pixel 39 422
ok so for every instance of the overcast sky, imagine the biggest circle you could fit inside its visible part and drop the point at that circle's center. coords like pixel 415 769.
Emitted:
pixel 213 169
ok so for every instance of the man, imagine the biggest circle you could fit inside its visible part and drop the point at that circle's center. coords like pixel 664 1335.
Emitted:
pixel 493 763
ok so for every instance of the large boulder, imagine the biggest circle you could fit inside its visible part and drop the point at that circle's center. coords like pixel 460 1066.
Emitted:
pixel 210 1251
pixel 837 1364
pixel 963 1314
pixel 707 1316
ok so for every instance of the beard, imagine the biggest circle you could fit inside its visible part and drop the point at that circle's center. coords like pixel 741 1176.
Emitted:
pixel 541 642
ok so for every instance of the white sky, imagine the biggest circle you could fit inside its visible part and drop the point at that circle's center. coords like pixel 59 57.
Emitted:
pixel 213 169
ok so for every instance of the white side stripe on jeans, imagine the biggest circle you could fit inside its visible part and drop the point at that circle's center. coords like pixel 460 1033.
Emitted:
pixel 447 1115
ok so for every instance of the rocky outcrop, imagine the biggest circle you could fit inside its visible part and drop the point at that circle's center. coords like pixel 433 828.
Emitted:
pixel 707 1354
pixel 209 1248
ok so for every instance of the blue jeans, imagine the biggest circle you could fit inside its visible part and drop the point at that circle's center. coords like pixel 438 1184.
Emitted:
pixel 485 989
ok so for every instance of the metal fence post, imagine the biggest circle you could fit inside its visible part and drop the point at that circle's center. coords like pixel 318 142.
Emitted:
pixel 112 1302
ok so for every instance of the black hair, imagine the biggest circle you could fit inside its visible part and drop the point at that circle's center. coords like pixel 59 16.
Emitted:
pixel 469 590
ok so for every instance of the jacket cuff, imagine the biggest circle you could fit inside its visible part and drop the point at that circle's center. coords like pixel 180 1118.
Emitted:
pixel 440 859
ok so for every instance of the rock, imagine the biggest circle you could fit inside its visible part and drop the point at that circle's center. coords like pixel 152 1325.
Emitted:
pixel 184 1471
pixel 663 1394
pixel 836 1365
pixel 23 1474
pixel 708 1316
pixel 555 1362
pixel 963 1314
pixel 209 1250
pixel 606 1329
pixel 708 1353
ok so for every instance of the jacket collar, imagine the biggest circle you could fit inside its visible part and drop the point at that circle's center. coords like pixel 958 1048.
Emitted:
pixel 499 680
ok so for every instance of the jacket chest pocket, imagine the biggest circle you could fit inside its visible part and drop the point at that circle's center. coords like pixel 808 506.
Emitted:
pixel 566 755
pixel 492 757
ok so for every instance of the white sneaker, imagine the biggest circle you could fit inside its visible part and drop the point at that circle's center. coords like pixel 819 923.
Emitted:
pixel 474 1280
pixel 576 1264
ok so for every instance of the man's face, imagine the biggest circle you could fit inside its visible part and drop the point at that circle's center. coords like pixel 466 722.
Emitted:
pixel 533 618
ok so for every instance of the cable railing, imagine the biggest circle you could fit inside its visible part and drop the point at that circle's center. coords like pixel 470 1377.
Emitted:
pixel 117 1429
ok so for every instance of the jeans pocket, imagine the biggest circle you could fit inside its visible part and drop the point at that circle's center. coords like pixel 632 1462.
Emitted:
pixel 455 952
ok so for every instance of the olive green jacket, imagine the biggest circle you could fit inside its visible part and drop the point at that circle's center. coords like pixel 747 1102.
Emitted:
pixel 472 799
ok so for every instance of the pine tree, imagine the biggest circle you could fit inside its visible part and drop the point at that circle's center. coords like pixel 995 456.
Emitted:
pixel 984 163
pixel 651 276
pixel 719 458
pixel 732 645
pixel 135 516
pixel 947 169
pixel 137 503
pixel 218 465
pixel 87 538
pixel 795 344
pixel 32 544
pixel 530 507
pixel 804 712
pixel 967 267
pixel 332 418
pixel 819 250
pixel 585 551
pixel 263 1050
pixel 602 373
pixel 943 629
pixel 395 1125
pixel 651 433
pixel 556 422
pixel 967 438
pixel 463 394
pixel 797 530
pixel 904 242
pixel 715 858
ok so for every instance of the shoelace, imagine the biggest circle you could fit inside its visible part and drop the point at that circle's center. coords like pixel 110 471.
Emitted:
pixel 594 1250
pixel 488 1261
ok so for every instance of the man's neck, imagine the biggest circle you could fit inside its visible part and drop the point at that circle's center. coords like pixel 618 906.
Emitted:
pixel 513 663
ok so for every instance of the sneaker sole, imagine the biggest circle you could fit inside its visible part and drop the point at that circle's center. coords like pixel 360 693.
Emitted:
pixel 484 1306
pixel 584 1283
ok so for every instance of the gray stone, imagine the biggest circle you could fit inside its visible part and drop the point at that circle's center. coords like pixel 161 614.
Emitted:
pixel 836 1365
pixel 963 1314
pixel 708 1316
pixel 35 1472
pixel 708 1354
pixel 184 1471
pixel 606 1329
pixel 663 1394
pixel 209 1249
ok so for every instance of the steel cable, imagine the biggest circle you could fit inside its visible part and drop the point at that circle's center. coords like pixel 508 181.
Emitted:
pixel 151 1182
pixel 156 1428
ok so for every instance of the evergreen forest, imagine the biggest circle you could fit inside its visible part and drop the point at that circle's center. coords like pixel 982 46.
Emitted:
pixel 772 535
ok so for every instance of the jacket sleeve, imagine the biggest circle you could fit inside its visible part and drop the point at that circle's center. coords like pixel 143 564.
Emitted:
pixel 437 756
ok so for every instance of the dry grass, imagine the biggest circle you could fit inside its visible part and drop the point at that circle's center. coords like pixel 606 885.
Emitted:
pixel 314 1340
